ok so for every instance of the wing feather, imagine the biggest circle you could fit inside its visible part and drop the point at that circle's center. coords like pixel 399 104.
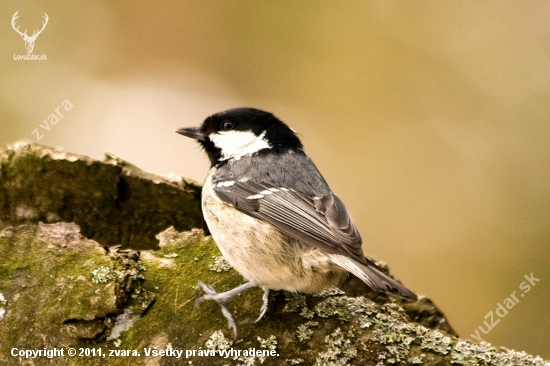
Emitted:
pixel 372 276
pixel 321 222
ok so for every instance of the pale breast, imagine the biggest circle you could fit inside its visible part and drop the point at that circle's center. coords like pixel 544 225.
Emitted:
pixel 261 253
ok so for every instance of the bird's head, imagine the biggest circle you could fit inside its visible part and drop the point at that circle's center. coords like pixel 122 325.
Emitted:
pixel 240 132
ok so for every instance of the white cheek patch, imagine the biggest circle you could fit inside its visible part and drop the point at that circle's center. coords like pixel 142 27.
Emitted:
pixel 236 144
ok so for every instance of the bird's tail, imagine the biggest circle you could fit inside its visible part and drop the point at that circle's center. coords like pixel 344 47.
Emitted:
pixel 371 275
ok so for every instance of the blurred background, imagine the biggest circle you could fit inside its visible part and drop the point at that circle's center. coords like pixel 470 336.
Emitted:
pixel 429 119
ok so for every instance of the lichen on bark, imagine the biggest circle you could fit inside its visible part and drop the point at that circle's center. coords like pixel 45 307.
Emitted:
pixel 60 288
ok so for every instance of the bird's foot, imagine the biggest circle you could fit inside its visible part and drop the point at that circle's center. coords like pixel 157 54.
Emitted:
pixel 222 299
pixel 265 299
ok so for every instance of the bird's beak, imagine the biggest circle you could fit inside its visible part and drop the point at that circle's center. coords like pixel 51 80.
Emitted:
pixel 192 132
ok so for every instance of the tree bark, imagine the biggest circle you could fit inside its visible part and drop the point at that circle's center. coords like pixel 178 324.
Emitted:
pixel 63 285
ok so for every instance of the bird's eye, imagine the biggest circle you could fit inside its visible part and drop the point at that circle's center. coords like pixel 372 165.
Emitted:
pixel 227 125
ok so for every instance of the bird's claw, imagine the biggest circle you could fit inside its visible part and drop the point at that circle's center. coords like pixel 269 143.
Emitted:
pixel 263 309
pixel 221 300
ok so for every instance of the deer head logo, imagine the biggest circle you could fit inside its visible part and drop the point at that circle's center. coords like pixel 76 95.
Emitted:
pixel 29 40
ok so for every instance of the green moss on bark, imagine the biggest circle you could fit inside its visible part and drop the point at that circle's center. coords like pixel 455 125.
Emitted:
pixel 112 201
pixel 59 289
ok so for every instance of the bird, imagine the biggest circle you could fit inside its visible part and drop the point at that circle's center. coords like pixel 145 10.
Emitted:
pixel 273 215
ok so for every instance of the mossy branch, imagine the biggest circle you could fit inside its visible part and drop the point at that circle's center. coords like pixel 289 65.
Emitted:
pixel 59 288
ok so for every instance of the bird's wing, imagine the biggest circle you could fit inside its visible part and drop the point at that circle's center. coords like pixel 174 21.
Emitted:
pixel 323 222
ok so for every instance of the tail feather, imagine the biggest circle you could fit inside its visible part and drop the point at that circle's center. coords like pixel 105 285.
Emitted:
pixel 372 276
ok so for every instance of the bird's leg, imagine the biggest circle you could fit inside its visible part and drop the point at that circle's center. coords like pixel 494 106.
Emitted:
pixel 265 298
pixel 222 299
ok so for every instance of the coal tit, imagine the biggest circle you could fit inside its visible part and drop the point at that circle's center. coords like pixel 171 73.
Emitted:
pixel 271 213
